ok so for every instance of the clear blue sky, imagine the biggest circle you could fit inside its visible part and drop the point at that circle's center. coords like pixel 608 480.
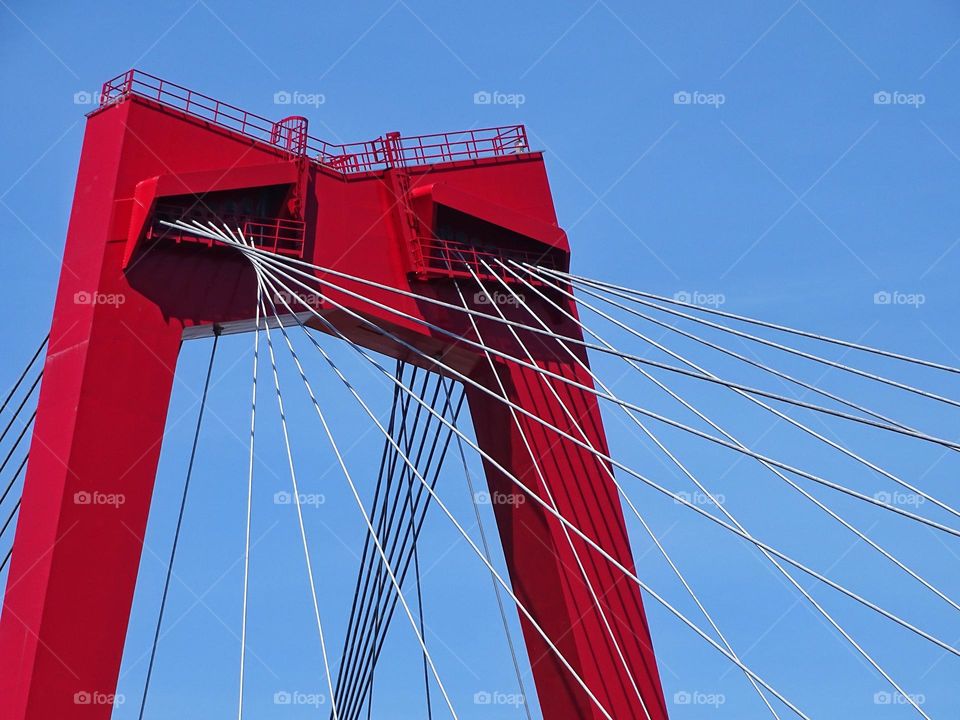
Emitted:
pixel 787 186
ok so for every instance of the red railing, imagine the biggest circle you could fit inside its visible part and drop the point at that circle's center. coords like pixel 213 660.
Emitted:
pixel 277 235
pixel 394 150
pixel 135 82
pixel 289 134
pixel 450 258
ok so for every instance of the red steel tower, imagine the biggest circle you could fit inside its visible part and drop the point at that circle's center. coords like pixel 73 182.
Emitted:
pixel 394 210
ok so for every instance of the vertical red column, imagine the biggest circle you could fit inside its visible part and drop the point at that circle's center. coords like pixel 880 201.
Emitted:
pixel 543 568
pixel 102 408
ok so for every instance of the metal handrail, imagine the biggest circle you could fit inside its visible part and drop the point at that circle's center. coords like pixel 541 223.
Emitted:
pixel 368 156
pixel 450 256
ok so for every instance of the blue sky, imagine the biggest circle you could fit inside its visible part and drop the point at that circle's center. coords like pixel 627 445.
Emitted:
pixel 810 170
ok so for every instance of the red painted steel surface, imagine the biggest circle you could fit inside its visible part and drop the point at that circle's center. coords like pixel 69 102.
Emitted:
pixel 122 307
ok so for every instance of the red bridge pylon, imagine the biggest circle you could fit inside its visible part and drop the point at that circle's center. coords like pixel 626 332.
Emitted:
pixel 394 210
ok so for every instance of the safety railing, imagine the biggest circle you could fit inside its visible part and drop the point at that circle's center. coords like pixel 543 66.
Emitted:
pixel 290 134
pixel 276 235
pixel 394 150
pixel 203 106
pixel 451 258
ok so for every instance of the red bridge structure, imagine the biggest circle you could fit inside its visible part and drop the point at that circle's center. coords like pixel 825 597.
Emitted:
pixel 193 218
pixel 406 213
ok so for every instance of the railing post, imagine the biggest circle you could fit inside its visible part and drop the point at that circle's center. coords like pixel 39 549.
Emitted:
pixel 391 146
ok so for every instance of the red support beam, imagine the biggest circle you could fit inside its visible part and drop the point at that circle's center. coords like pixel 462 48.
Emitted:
pixel 542 557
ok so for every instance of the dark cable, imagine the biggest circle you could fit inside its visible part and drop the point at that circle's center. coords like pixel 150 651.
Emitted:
pixel 13 480
pixel 403 436
pixel 16 444
pixel 364 574
pixel 24 373
pixel 23 402
pixel 393 599
pixel 371 608
pixel 176 534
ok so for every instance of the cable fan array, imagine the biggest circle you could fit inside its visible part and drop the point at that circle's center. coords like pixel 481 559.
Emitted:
pixel 288 278
pixel 422 430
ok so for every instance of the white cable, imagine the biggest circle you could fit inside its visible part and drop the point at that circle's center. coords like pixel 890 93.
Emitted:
pixel 246 551
pixel 536 498
pixel 529 492
pixel 286 263
pixel 750 361
pixel 663 551
pixel 773 326
pixel 543 481
pixel 296 496
pixel 730 516
pixel 756 401
pixel 606 396
pixel 794 485
pixel 496 586
pixel 446 369
pixel 370 529
pixel 770 343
